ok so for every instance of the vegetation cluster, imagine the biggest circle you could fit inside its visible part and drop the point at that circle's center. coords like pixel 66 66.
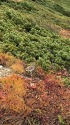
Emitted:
pixel 30 31
pixel 44 100
pixel 35 31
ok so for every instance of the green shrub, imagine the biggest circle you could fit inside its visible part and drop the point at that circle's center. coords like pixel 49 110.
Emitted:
pixel 66 81
pixel 61 120
pixel 26 34
pixel 61 10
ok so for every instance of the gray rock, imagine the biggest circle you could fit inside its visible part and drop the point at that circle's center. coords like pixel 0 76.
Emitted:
pixel 1 66
pixel 31 67
pixel 5 72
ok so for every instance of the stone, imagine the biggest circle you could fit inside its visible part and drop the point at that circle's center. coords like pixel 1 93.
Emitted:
pixel 5 72
pixel 1 66
pixel 31 67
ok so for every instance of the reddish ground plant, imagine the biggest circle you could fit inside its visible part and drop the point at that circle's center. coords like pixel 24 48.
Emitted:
pixel 41 101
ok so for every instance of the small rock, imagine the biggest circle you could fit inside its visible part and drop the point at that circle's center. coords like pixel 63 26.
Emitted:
pixel 31 67
pixel 1 66
pixel 33 85
pixel 5 72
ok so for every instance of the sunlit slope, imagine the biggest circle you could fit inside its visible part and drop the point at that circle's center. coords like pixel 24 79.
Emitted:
pixel 31 29
pixel 64 3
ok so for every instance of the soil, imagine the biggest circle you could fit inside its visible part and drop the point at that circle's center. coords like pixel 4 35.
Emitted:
pixel 65 33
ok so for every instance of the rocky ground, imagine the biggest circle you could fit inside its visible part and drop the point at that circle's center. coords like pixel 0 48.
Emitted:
pixel 5 71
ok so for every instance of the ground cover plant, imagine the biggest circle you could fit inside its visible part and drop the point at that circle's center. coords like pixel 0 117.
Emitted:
pixel 34 62
pixel 35 28
pixel 42 100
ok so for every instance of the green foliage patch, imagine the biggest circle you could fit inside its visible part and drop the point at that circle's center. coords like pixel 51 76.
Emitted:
pixel 26 32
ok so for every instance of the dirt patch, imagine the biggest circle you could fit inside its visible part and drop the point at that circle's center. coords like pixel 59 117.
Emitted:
pixel 65 33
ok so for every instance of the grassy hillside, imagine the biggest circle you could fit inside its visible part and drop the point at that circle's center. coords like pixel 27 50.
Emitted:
pixel 37 33
pixel 34 30
pixel 64 3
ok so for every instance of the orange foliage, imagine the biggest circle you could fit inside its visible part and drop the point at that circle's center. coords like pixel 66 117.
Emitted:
pixel 48 99
pixel 6 59
pixel 14 91
pixel 43 98
pixel 15 103
pixel 9 61
pixel 18 67
pixel 14 84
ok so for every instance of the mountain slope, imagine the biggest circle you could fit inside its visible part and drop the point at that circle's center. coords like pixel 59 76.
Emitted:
pixel 36 98
pixel 38 32
pixel 33 30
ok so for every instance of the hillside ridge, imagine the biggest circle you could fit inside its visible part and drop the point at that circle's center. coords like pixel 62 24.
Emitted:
pixel 34 62
pixel 39 32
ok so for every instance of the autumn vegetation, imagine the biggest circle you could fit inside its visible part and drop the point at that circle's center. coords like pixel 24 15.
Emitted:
pixel 35 34
pixel 44 100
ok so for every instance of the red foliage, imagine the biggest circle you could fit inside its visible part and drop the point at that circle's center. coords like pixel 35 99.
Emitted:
pixel 23 98
pixel 46 99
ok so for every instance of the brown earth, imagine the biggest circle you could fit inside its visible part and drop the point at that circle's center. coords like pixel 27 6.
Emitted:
pixel 65 33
